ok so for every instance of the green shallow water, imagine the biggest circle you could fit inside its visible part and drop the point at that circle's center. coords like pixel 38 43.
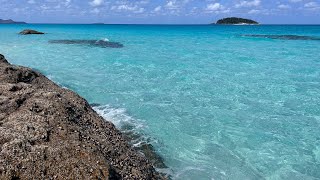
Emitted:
pixel 214 104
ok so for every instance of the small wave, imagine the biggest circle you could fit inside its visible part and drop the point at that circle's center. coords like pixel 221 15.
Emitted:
pixel 118 117
pixel 103 40
pixel 133 131
pixel 132 128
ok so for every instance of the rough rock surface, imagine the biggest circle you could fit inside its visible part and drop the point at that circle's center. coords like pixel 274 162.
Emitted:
pixel 47 132
pixel 30 31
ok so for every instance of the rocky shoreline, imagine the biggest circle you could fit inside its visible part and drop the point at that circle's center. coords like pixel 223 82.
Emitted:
pixel 47 132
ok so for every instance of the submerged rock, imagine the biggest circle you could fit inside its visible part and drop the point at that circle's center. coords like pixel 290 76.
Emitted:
pixel 146 148
pixel 30 31
pixel 283 37
pixel 97 43
pixel 47 132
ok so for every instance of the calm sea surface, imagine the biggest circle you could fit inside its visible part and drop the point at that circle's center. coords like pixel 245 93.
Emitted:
pixel 213 103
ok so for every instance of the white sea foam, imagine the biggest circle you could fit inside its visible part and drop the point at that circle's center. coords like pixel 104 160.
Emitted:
pixel 182 172
pixel 104 39
pixel 117 116
pixel 125 123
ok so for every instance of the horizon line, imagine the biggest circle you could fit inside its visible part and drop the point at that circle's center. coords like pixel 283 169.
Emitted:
pixel 152 24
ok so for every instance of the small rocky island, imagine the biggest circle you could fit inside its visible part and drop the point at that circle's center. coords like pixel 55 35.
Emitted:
pixel 10 21
pixel 48 132
pixel 30 31
pixel 236 21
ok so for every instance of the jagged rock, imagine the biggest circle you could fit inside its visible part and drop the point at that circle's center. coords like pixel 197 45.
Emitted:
pixel 47 132
pixel 30 31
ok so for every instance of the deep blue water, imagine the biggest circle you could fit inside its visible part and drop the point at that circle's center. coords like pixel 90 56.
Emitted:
pixel 213 103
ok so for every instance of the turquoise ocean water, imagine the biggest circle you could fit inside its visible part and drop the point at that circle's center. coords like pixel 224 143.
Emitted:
pixel 214 104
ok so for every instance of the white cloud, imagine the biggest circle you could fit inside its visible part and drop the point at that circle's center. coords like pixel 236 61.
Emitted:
pixel 172 5
pixel 126 7
pixel 176 4
pixel 96 3
pixel 260 11
pixel 311 5
pixel 157 9
pixel 67 3
pixel 253 3
pixel 254 11
pixel 284 6
pixel 95 11
pixel 214 7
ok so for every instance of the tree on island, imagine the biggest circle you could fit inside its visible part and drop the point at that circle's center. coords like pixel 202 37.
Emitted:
pixel 236 20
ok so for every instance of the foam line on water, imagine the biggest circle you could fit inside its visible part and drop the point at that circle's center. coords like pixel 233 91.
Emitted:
pixel 119 118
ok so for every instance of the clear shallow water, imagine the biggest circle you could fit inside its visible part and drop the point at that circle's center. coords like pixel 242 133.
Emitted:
pixel 214 104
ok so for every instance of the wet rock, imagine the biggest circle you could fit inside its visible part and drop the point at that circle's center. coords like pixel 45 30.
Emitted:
pixel 2 59
pixel 149 151
pixel 97 43
pixel 30 31
pixel 283 37
pixel 143 146
pixel 47 132
pixel 95 104
pixel 140 142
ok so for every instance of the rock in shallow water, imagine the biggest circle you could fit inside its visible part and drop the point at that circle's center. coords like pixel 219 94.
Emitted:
pixel 283 37
pixel 30 31
pixel 97 43
pixel 47 132
pixel 146 148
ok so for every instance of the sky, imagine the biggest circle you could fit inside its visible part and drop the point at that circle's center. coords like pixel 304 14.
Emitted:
pixel 160 11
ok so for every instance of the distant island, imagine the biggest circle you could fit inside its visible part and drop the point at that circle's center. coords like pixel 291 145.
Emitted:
pixel 10 21
pixel 236 21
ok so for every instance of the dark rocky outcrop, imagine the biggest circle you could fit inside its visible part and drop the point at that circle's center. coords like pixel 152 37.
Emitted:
pixel 10 21
pixel 283 37
pixel 97 43
pixel 235 21
pixel 30 31
pixel 47 132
